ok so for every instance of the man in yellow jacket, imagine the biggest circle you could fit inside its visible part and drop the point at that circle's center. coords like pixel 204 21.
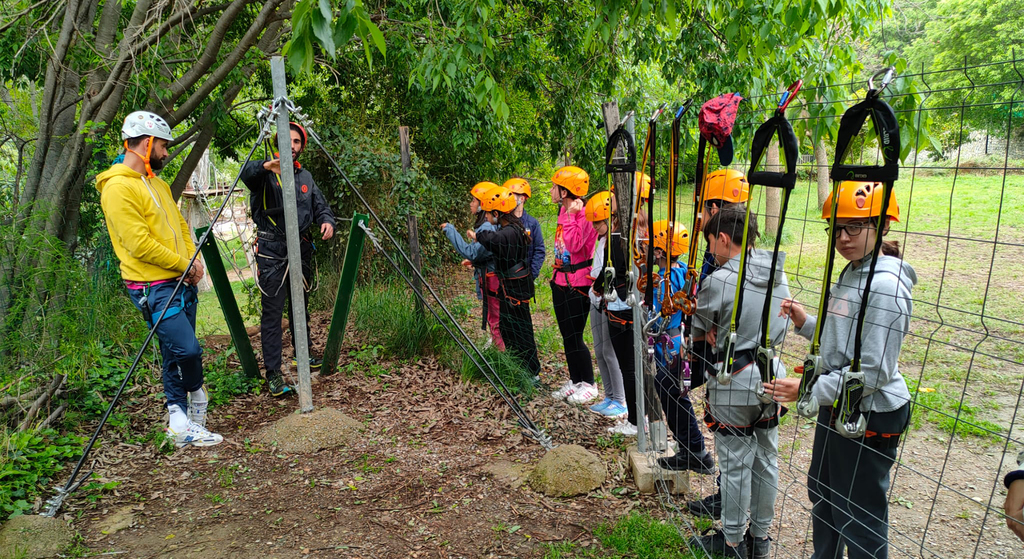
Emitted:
pixel 153 243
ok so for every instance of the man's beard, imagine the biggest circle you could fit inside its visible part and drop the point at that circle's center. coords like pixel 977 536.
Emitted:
pixel 156 163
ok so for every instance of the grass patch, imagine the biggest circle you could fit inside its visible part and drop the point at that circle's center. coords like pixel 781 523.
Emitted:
pixel 637 536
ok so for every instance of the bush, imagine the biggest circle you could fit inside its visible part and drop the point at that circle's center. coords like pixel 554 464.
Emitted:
pixel 28 462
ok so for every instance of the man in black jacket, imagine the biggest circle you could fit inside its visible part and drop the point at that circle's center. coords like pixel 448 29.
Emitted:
pixel 263 178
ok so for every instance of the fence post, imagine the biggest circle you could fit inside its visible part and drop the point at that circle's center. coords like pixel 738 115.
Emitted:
pixel 222 287
pixel 414 234
pixel 346 287
pixel 291 227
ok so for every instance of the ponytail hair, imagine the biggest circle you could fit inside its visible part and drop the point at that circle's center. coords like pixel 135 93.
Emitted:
pixel 892 248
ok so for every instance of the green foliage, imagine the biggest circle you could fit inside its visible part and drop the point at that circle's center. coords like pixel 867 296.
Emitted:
pixel 968 33
pixel 222 383
pixel 637 535
pixel 28 463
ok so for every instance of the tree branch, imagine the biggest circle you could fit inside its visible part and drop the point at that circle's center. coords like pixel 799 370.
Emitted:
pixel 232 60
pixel 206 60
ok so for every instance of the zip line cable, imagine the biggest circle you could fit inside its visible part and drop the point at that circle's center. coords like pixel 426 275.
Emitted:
pixel 535 432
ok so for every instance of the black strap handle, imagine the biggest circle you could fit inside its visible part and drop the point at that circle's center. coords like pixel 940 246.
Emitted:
pixel 790 147
pixel 629 165
pixel 888 130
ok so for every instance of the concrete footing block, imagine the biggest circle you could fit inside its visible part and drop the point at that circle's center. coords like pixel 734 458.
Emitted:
pixel 648 475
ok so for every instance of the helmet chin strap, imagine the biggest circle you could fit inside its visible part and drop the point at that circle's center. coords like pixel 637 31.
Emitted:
pixel 144 158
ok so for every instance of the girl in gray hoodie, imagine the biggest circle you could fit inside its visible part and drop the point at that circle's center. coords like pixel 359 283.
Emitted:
pixel 849 477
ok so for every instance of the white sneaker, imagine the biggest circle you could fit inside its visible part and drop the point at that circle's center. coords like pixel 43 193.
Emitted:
pixel 487 343
pixel 194 435
pixel 565 391
pixel 585 392
pixel 623 427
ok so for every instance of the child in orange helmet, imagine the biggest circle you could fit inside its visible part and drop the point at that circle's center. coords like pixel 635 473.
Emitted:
pixel 510 245
pixel 482 262
pixel 573 249
pixel 848 478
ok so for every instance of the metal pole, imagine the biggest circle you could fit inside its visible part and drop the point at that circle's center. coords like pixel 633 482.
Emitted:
pixel 291 228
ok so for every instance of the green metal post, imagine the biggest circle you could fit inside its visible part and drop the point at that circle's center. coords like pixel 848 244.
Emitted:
pixel 228 305
pixel 346 287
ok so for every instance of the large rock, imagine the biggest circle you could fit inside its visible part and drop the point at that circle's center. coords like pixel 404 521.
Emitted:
pixel 567 471
pixel 34 537
pixel 305 433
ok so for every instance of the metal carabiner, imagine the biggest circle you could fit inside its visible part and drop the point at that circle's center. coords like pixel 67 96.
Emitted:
pixel 888 74
pixel 788 95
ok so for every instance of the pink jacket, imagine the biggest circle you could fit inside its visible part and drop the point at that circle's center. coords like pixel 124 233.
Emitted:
pixel 574 243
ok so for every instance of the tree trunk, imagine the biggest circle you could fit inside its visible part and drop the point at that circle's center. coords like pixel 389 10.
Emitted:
pixel 821 168
pixel 773 196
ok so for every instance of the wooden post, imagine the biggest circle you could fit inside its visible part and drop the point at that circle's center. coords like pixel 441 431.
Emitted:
pixel 414 235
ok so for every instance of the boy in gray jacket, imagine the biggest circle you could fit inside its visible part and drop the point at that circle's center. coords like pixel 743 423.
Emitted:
pixel 746 431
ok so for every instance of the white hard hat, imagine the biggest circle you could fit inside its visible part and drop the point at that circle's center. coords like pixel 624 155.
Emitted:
pixel 145 123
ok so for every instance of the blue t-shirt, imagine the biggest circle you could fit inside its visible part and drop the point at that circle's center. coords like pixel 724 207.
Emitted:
pixel 677 277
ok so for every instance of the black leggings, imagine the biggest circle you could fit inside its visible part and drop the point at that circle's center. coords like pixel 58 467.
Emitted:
pixel 620 330
pixel 572 307
pixel 516 326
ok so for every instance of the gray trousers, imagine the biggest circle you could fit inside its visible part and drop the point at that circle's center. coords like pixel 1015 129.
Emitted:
pixel 749 470
pixel 607 364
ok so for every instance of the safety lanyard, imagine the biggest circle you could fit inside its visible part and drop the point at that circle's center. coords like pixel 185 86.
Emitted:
pixel 652 141
pixel 725 372
pixel 626 164
pixel 669 304
pixel 850 422
pixel 777 125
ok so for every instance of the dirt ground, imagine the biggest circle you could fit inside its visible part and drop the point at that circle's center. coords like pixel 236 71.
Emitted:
pixel 421 482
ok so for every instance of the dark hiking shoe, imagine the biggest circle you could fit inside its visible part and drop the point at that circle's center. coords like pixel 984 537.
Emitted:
pixel 759 548
pixel 713 545
pixel 708 506
pixel 701 463
pixel 314 363
pixel 276 384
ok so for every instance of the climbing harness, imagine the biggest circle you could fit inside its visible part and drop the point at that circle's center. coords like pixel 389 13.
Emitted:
pixel 850 422
pixel 765 355
pixel 54 503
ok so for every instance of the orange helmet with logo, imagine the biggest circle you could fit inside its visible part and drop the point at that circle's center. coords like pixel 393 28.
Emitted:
pixel 680 237
pixel 861 200
pixel 518 186
pixel 599 207
pixel 727 185
pixel 573 179
pixel 498 199
pixel 480 189
pixel 643 182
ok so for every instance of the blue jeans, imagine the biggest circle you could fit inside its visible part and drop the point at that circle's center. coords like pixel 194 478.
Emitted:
pixel 179 348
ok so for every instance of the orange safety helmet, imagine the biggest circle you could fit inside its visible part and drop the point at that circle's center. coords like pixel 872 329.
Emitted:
pixel 727 185
pixel 518 186
pixel 643 182
pixel 599 207
pixel 573 179
pixel 680 237
pixel 499 199
pixel 480 189
pixel 861 200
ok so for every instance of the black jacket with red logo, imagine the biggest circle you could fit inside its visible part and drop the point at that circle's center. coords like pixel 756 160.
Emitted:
pixel 267 202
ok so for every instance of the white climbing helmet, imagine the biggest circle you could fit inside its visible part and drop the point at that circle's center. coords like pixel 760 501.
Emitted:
pixel 145 123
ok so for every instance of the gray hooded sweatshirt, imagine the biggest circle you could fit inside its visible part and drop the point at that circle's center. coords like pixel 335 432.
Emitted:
pixel 887 322
pixel 714 309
